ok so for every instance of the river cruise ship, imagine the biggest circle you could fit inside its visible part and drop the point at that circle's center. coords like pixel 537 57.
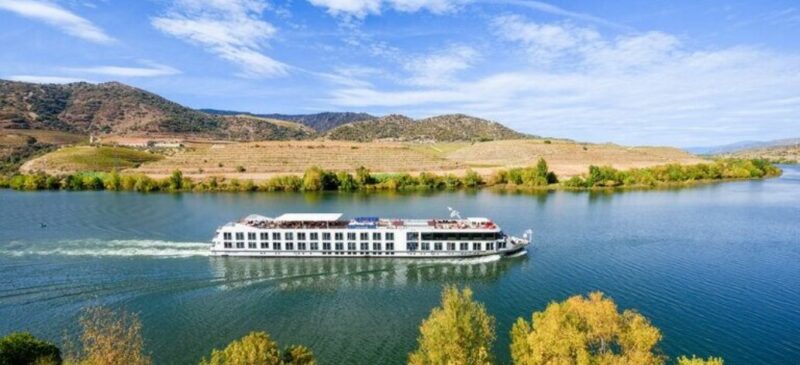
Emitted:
pixel 329 235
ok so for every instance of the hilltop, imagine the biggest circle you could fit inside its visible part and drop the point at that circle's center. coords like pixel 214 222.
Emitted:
pixel 111 108
pixel 114 108
pixel 443 128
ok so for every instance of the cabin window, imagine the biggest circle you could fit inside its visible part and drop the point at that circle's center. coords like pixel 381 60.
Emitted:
pixel 437 246
pixel 325 246
pixel 315 236
pixel 239 235
pixel 301 236
pixel 390 246
pixel 251 236
pixel 264 245
pixel 339 236
pixel 364 246
pixel 314 246
pixel 376 246
pixel 339 246
pixel 289 236
pixel 451 246
pixel 301 246
pixel 264 236
pixel 228 244
pixel 227 236
pixel 276 246
pixel 351 246
pixel 376 236
pixel 412 236
pixel 490 246
pixel 239 244
pixel 426 246
pixel 363 236
pixel 390 236
pixel 463 246
pixel 351 235
pixel 289 246
pixel 427 236
pixel 476 246
pixel 412 246
pixel 276 236
pixel 251 245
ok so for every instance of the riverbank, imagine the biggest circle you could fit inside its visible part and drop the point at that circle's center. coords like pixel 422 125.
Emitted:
pixel 537 177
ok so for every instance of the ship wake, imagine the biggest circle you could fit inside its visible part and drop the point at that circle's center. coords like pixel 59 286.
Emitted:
pixel 99 248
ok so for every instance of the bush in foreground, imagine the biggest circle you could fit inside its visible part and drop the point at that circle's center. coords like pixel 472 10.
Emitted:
pixel 257 348
pixel 22 348
pixel 585 331
pixel 110 337
pixel 460 331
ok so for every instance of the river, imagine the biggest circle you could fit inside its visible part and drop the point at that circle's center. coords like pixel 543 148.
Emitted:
pixel 716 267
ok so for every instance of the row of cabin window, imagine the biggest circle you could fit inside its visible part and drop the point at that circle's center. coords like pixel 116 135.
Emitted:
pixel 314 236
pixel 314 246
pixel 454 236
pixel 451 246
pixel 364 246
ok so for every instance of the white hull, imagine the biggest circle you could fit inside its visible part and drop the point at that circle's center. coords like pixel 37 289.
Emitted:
pixel 345 254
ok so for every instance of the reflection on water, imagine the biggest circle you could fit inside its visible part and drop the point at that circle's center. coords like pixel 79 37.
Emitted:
pixel 329 274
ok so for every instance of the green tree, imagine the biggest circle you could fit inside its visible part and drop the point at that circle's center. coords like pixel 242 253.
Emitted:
pixel 683 360
pixel 585 331
pixel 176 180
pixel 257 348
pixel 460 331
pixel 112 181
pixel 312 179
pixel 472 179
pixel 541 168
pixel 22 348
pixel 363 176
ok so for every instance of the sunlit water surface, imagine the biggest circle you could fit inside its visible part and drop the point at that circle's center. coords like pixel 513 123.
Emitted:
pixel 716 267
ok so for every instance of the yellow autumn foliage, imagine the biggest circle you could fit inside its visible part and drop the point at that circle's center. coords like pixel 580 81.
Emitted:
pixel 459 332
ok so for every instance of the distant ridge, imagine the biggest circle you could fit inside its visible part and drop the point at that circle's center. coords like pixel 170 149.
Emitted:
pixel 114 108
pixel 445 128
pixel 320 122
pixel 741 146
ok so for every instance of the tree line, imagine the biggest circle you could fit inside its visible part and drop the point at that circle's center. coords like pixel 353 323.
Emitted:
pixel 579 330
pixel 538 176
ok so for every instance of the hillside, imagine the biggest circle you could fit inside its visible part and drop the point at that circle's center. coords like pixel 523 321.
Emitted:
pixel 320 122
pixel 444 128
pixel 741 146
pixel 253 128
pixel 779 154
pixel 103 108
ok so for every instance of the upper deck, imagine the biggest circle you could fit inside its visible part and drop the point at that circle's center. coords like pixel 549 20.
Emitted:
pixel 335 221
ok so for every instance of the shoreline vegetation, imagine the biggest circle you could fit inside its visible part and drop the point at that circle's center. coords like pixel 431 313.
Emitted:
pixel 315 179
pixel 581 329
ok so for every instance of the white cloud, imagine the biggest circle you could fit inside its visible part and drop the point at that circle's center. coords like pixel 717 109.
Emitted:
pixel 231 29
pixel 58 17
pixel 40 79
pixel 555 10
pixel 545 42
pixel 152 70
pixel 645 88
pixel 440 67
pixel 362 8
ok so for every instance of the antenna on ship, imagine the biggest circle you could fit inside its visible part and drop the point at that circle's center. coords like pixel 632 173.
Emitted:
pixel 454 213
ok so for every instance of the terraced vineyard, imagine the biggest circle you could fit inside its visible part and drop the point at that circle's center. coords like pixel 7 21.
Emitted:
pixel 565 158
pixel 259 159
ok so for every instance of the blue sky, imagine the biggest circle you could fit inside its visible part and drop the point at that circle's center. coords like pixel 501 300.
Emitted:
pixel 631 72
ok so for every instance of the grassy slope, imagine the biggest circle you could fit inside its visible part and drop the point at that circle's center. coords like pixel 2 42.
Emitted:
pixel 87 158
